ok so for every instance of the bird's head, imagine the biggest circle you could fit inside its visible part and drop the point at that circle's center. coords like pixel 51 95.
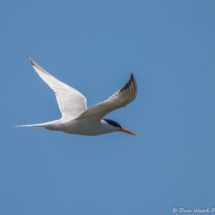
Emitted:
pixel 118 127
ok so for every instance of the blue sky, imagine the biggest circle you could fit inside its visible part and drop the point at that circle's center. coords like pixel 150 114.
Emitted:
pixel 93 46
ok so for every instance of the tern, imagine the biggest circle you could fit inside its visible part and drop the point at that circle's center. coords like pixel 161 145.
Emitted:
pixel 76 118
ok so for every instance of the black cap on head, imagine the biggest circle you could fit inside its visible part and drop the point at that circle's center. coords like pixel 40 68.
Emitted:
pixel 111 122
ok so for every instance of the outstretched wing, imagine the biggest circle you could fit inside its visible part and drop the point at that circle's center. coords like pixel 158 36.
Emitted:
pixel 118 100
pixel 71 102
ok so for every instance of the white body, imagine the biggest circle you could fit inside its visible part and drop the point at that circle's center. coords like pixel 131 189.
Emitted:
pixel 76 118
pixel 88 128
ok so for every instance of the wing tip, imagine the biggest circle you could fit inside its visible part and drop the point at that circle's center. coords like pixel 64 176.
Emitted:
pixel 128 84
pixel 35 65
pixel 132 77
pixel 134 83
pixel 32 62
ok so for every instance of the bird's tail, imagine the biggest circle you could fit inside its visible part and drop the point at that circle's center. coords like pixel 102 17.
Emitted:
pixel 41 125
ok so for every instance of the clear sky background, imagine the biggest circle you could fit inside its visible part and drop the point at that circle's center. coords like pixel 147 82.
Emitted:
pixel 93 46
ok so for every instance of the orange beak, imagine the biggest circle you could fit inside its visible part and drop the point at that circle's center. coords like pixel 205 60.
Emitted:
pixel 127 131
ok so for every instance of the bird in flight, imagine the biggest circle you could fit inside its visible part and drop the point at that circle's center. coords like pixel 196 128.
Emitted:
pixel 76 118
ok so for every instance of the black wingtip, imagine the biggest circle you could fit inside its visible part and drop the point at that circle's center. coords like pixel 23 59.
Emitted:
pixel 127 85
pixel 32 62
pixel 132 76
pixel 28 56
pixel 134 81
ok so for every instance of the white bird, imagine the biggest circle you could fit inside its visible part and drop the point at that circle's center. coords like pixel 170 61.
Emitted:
pixel 76 118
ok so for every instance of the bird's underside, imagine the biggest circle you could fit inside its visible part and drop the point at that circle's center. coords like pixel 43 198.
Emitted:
pixel 76 118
